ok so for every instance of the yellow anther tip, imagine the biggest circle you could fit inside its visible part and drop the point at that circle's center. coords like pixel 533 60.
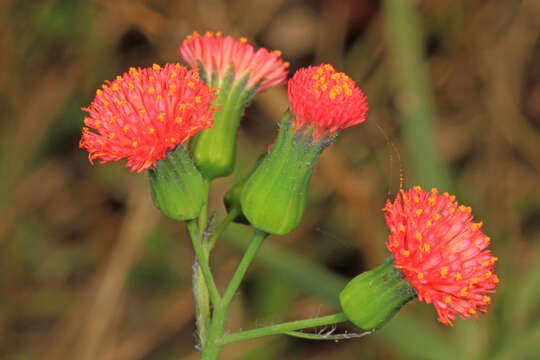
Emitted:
pixel 444 271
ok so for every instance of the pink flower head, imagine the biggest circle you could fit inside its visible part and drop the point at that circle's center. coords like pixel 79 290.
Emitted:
pixel 441 252
pixel 144 113
pixel 217 53
pixel 328 99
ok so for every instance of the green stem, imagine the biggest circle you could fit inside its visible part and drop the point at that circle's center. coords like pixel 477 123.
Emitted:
pixel 203 221
pixel 284 328
pixel 200 290
pixel 202 304
pixel 217 328
pixel 233 213
pixel 203 262
pixel 252 249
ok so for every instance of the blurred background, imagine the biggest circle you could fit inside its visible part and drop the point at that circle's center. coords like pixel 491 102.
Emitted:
pixel 90 270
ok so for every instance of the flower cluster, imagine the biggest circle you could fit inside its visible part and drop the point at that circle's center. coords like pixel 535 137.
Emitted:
pixel 328 99
pixel 143 116
pixel 441 252
pixel 215 53
pixel 144 113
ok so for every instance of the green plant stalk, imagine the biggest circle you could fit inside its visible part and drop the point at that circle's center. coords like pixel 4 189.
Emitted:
pixel 202 220
pixel 303 274
pixel 249 255
pixel 200 290
pixel 284 328
pixel 231 215
pixel 202 303
pixel 202 299
pixel 217 327
pixel 203 262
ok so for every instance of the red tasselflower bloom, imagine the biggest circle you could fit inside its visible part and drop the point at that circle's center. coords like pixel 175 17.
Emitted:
pixel 144 113
pixel 330 100
pixel 441 252
pixel 217 54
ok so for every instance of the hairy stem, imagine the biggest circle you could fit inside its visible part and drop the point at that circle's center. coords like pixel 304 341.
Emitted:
pixel 217 326
pixel 284 328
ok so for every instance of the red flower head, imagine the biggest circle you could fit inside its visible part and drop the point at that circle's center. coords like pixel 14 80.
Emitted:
pixel 144 113
pixel 216 53
pixel 329 99
pixel 441 252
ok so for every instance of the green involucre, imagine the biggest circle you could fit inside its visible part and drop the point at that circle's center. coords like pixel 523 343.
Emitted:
pixel 274 196
pixel 214 150
pixel 373 297
pixel 177 187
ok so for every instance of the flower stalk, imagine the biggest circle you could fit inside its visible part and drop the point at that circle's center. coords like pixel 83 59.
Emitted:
pixel 213 344
pixel 284 328
pixel 203 262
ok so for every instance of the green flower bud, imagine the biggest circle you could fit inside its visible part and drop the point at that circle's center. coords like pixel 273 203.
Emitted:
pixel 177 187
pixel 274 196
pixel 373 297
pixel 214 150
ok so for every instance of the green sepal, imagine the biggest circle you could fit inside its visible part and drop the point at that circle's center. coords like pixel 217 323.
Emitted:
pixel 177 187
pixel 275 195
pixel 214 150
pixel 374 297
